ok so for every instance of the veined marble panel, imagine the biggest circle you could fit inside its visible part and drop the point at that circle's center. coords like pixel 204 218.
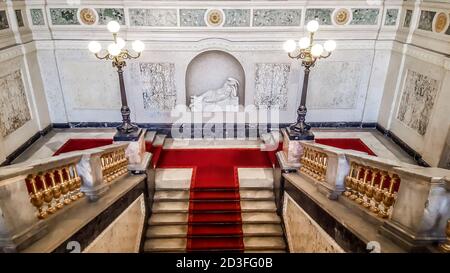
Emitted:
pixel 159 92
pixel 64 16
pixel 303 233
pixel 192 17
pixel 90 85
pixel 13 103
pixel 153 17
pixel 391 17
pixel 276 17
pixel 19 18
pixel 416 105
pixel 237 17
pixel 3 20
pixel 105 15
pixel 408 17
pixel 426 20
pixel 37 17
pixel 123 235
pixel 337 90
pixel 322 15
pixel 365 16
pixel 271 85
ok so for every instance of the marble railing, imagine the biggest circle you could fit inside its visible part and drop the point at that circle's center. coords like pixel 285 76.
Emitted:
pixel 34 194
pixel 411 204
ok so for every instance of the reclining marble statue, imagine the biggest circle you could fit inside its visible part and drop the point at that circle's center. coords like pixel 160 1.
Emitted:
pixel 222 99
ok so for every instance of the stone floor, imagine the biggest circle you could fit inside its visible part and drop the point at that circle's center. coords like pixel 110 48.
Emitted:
pixel 47 145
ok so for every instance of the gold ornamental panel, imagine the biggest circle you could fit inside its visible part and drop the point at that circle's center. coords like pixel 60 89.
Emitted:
pixel 441 22
pixel 342 16
pixel 88 16
pixel 215 17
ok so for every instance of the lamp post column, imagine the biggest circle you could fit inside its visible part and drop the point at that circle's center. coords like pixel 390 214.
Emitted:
pixel 126 126
pixel 301 130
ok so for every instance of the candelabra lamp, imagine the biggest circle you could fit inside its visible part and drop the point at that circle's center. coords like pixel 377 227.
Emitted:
pixel 118 54
pixel 308 52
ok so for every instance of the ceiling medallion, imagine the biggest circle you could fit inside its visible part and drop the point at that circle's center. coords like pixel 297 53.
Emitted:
pixel 342 16
pixel 440 22
pixel 214 17
pixel 88 16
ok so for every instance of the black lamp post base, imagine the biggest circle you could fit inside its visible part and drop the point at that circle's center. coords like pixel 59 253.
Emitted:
pixel 299 135
pixel 130 136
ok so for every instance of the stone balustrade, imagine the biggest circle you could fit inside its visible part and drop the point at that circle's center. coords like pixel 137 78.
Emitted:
pixel 409 203
pixel 34 194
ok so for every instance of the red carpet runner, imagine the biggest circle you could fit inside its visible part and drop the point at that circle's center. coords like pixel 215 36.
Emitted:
pixel 215 221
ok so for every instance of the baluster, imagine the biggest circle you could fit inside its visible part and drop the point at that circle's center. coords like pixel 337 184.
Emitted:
pixel 48 194
pixel 36 198
pixel 78 192
pixel 72 184
pixel 348 181
pixel 362 186
pixel 64 187
pixel 445 246
pixel 378 194
pixel 369 190
pixel 388 197
pixel 56 190
pixel 355 181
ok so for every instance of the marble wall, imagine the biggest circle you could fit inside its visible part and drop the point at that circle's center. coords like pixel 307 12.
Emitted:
pixel 304 235
pixel 159 92
pixel 123 235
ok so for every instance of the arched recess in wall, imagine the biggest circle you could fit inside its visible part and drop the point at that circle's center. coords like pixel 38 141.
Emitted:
pixel 209 70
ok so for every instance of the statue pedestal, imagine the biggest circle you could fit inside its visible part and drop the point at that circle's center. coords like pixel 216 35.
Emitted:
pixel 137 156
pixel 229 105
pixel 292 150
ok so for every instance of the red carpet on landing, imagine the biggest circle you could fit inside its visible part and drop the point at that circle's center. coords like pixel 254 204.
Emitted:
pixel 215 221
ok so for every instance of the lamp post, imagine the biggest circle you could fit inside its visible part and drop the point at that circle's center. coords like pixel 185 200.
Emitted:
pixel 117 53
pixel 308 53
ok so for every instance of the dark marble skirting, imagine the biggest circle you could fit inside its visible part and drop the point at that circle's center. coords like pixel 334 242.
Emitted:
pixel 93 229
pixel 342 235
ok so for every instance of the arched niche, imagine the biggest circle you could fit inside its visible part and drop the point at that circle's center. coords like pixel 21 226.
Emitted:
pixel 209 70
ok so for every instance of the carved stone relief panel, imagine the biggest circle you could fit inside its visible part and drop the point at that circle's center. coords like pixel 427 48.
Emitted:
pixel 13 102
pixel 271 85
pixel 153 17
pixel 159 91
pixel 276 17
pixel 416 105
pixel 37 17
pixel 426 20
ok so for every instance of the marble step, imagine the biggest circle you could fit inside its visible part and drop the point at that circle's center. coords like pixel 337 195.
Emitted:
pixel 257 206
pixel 264 243
pixel 171 195
pixel 183 195
pixel 183 206
pixel 170 206
pixel 165 245
pixel 158 219
pixel 173 179
pixel 168 219
pixel 252 230
pixel 260 194
pixel 261 218
pixel 180 231
pixel 255 178
pixel 167 231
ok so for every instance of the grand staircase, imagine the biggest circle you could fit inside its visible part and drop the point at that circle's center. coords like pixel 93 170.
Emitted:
pixel 217 222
